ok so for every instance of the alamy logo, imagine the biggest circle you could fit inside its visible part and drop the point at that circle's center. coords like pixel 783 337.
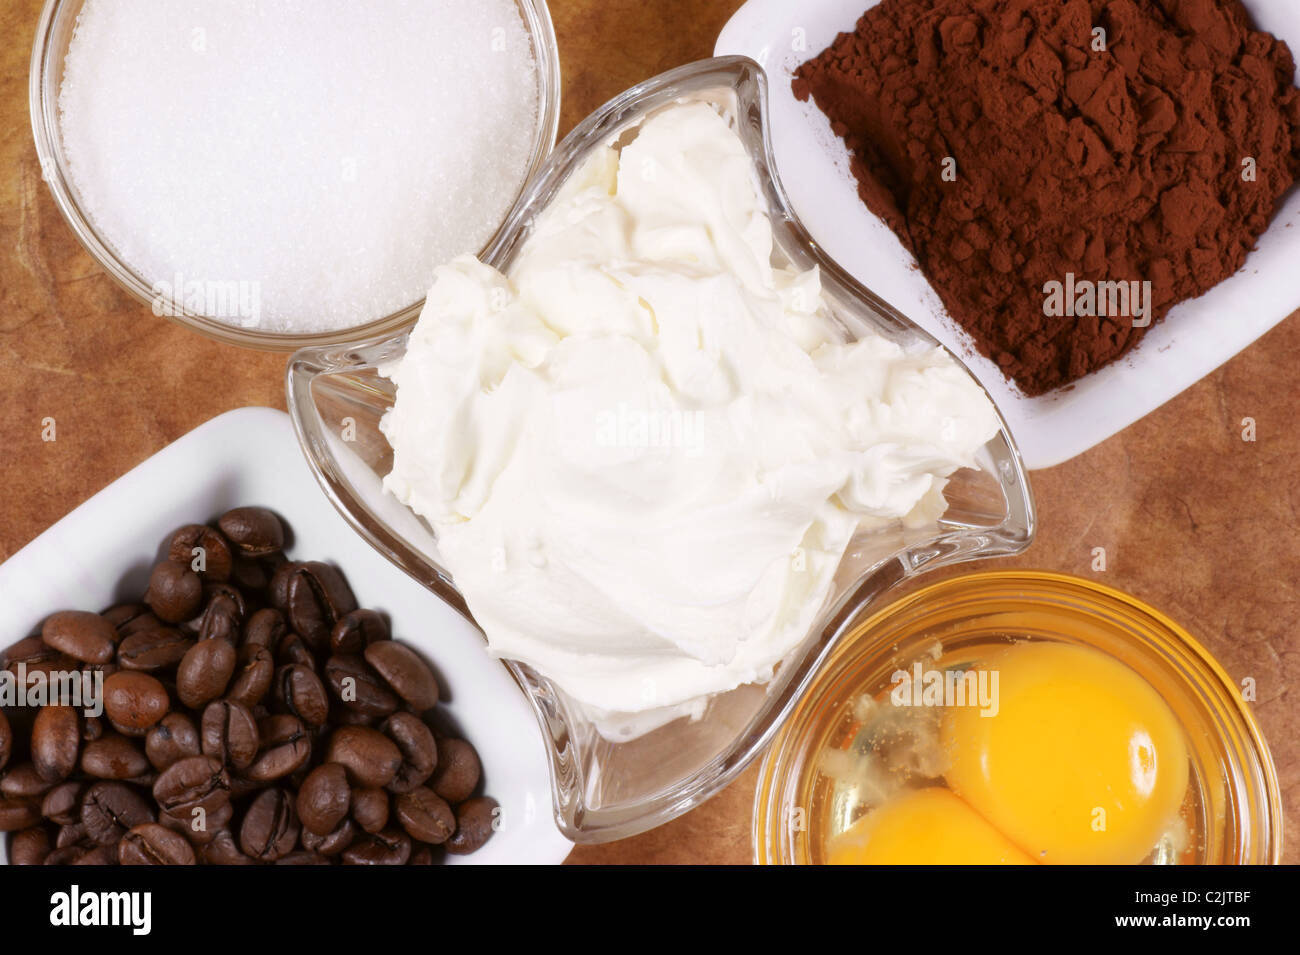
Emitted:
pixel 922 687
pixel 1082 298
pixel 237 300
pixel 74 908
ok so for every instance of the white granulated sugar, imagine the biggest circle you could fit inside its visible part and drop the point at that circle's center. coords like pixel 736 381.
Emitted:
pixel 324 154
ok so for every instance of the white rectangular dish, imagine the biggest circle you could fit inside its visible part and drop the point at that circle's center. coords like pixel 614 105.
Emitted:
pixel 1196 337
pixel 101 554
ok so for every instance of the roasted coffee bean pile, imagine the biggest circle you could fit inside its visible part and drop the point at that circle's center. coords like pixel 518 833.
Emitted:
pixel 252 713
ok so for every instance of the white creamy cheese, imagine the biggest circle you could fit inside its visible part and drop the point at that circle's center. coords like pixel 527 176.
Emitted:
pixel 645 451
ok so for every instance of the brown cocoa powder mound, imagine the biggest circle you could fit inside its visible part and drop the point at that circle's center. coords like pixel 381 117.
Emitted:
pixel 1118 165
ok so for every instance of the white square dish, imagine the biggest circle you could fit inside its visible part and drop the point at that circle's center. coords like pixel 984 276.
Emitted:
pixel 1196 337
pixel 101 553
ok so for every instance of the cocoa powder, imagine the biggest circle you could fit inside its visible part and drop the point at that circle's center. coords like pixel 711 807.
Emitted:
pixel 1154 151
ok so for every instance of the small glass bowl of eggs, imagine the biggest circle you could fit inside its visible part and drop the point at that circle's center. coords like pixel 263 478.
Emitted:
pixel 1019 718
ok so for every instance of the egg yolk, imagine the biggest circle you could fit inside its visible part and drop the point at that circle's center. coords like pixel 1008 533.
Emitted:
pixel 1082 762
pixel 924 827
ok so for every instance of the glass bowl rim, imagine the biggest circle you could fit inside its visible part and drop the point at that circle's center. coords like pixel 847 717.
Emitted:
pixel 777 772
pixel 43 112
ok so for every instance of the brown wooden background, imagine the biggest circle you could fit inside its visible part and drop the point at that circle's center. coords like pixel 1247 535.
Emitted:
pixel 1194 520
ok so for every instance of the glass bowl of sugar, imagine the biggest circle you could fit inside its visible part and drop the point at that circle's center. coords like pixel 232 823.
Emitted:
pixel 275 175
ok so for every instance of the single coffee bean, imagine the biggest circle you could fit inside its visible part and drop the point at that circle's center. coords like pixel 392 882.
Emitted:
pixel 145 621
pixel 285 746
pixel 299 691
pixel 254 672
pixel 81 635
pixel 370 757
pixel 108 810
pixel 354 683
pixel 419 750
pixel 174 738
pixel 389 847
pixel 205 672
pixel 270 828
pixel 198 782
pixel 229 734
pixel 56 742
pixel 62 804
pixel 324 799
pixel 403 670
pixel 152 844
pixel 6 740
pixel 458 770
pixel 203 550
pixel 18 814
pixel 303 858
pixel 67 855
pixel 22 781
pixel 72 834
pixel 278 590
pixel 153 650
pixel 475 823
pixel 135 699
pixel 355 630
pixel 221 619
pixel 199 827
pixel 30 846
pixel 96 856
pixel 421 855
pixel 342 715
pixel 425 815
pixel 265 628
pixel 113 756
pixel 121 615
pixel 222 850
pixel 334 842
pixel 370 808
pixel 318 597
pixel 175 592
pixel 292 650
pixel 255 531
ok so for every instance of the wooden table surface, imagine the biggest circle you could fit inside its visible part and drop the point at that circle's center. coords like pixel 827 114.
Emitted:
pixel 1194 520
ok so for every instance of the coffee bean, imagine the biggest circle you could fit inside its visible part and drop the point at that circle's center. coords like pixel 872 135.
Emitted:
pixel 6 740
pixel 175 592
pixel 265 628
pixel 418 748
pixel 56 742
pixel 222 850
pixel 355 630
pixel 108 810
pixel 22 781
pixel 370 757
pixel 113 757
pixel 299 690
pixel 81 635
pixel 205 672
pixel 458 770
pixel 198 782
pixel 135 699
pixel 255 531
pixel 121 615
pixel 475 823
pixel 29 846
pixel 250 574
pixel 425 815
pixel 421 855
pixel 203 550
pixel 147 620
pixel 292 650
pixel 18 814
pixel 152 844
pixel 317 597
pixel 221 619
pixel 370 808
pixel 278 590
pixel 153 650
pixel 95 855
pixel 270 828
pixel 174 738
pixel 324 799
pixel 334 842
pixel 229 734
pixel 285 746
pixel 389 847
pixel 62 804
pixel 355 684
pixel 92 728
pixel 254 672
pixel 73 834
pixel 403 670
